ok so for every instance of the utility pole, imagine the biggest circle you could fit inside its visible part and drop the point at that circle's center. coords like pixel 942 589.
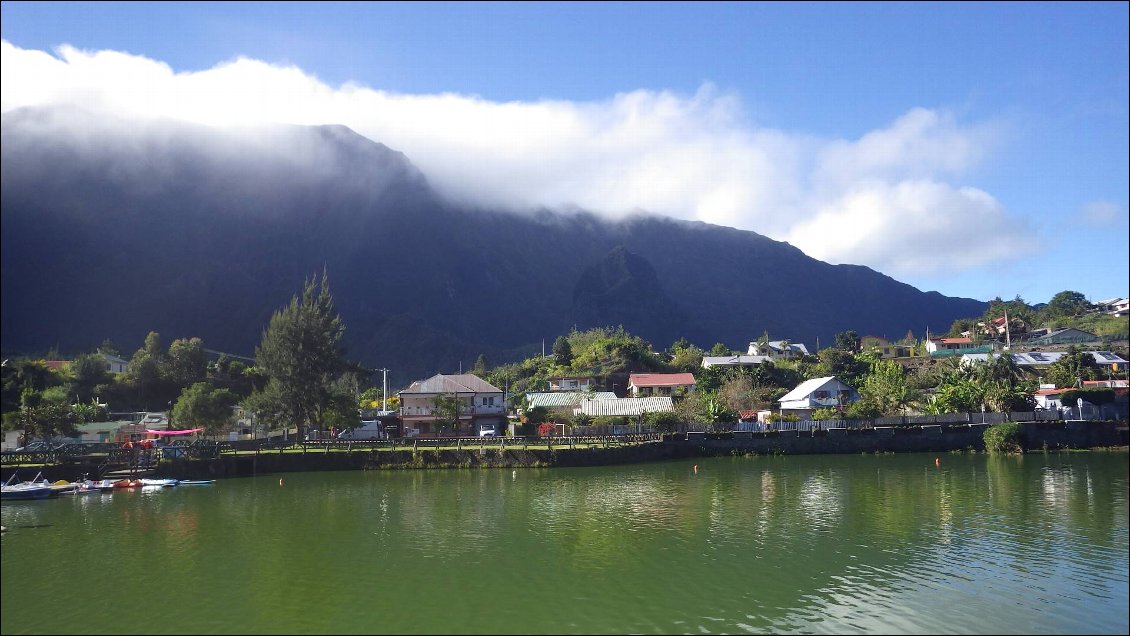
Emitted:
pixel 1007 333
pixel 384 391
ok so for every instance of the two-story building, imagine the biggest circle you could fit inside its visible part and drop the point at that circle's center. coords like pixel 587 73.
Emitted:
pixel 480 405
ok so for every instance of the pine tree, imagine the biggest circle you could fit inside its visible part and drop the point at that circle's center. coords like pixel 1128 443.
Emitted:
pixel 301 355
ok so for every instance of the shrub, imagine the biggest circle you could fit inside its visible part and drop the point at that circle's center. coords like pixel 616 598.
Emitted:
pixel 664 422
pixel 1004 438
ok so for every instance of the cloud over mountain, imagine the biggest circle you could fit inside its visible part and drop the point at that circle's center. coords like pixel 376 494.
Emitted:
pixel 877 200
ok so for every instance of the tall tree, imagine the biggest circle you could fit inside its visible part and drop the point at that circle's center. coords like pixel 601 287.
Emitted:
pixel 848 341
pixel 201 406
pixel 143 374
pixel 48 420
pixel 1067 303
pixel 562 351
pixel 90 372
pixel 186 363
pixel 481 366
pixel 301 355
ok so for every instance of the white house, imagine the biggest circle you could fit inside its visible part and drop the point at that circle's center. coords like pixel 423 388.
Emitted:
pixel 570 383
pixel 778 349
pixel 817 393
pixel 480 403
pixel 935 345
pixel 1048 397
pixel 117 363
pixel 1115 306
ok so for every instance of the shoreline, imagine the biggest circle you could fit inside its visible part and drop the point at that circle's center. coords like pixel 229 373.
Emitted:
pixel 1036 437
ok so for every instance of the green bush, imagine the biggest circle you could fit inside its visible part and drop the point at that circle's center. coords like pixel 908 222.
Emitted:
pixel 1004 438
pixel 664 422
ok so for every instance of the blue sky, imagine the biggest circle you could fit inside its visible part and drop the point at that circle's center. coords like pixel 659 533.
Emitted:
pixel 975 149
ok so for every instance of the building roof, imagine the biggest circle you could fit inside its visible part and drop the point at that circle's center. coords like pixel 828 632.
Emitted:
pixel 661 379
pixel 1057 332
pixel 625 406
pixel 559 399
pixel 1109 384
pixel 780 345
pixel 458 383
pixel 733 361
pixel 91 428
pixel 807 388
pixel 952 340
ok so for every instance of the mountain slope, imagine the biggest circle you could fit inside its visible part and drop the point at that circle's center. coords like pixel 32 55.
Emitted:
pixel 112 229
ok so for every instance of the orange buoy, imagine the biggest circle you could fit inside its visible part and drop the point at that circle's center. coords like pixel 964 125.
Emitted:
pixel 937 461
pixel 696 469
pixel 280 482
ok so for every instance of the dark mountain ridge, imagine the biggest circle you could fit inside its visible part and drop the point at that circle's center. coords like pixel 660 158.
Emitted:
pixel 112 229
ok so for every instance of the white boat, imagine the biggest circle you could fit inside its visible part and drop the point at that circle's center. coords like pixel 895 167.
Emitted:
pixel 159 482
pixel 35 489
pixel 196 482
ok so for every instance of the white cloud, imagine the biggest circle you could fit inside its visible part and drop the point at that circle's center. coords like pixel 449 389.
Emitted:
pixel 882 200
pixel 1102 213
pixel 916 227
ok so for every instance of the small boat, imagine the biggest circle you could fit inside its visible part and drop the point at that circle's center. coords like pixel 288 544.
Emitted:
pixel 105 484
pixel 128 483
pixel 35 489
pixel 159 482
pixel 196 482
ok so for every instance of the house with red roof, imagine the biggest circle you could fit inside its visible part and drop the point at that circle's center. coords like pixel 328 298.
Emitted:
pixel 661 384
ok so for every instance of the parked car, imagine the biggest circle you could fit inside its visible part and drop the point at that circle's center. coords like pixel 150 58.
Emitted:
pixel 37 447
pixel 487 431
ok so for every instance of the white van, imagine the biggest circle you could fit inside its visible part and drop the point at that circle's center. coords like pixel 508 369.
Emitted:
pixel 371 429
pixel 487 431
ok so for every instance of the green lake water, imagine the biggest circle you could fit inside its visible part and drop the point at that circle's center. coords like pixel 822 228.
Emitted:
pixel 788 544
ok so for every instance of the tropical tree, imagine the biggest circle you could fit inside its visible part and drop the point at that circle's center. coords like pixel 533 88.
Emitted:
pixel 686 357
pixel 48 420
pixel 446 408
pixel 662 421
pixel 301 355
pixel 202 406
pixel 719 349
pixel 1067 303
pixel 186 362
pixel 1072 367
pixel 885 388
pixel 848 341
pixel 143 374
pixel 91 374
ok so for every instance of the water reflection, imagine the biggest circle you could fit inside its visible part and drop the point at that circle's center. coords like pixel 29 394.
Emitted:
pixel 851 544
